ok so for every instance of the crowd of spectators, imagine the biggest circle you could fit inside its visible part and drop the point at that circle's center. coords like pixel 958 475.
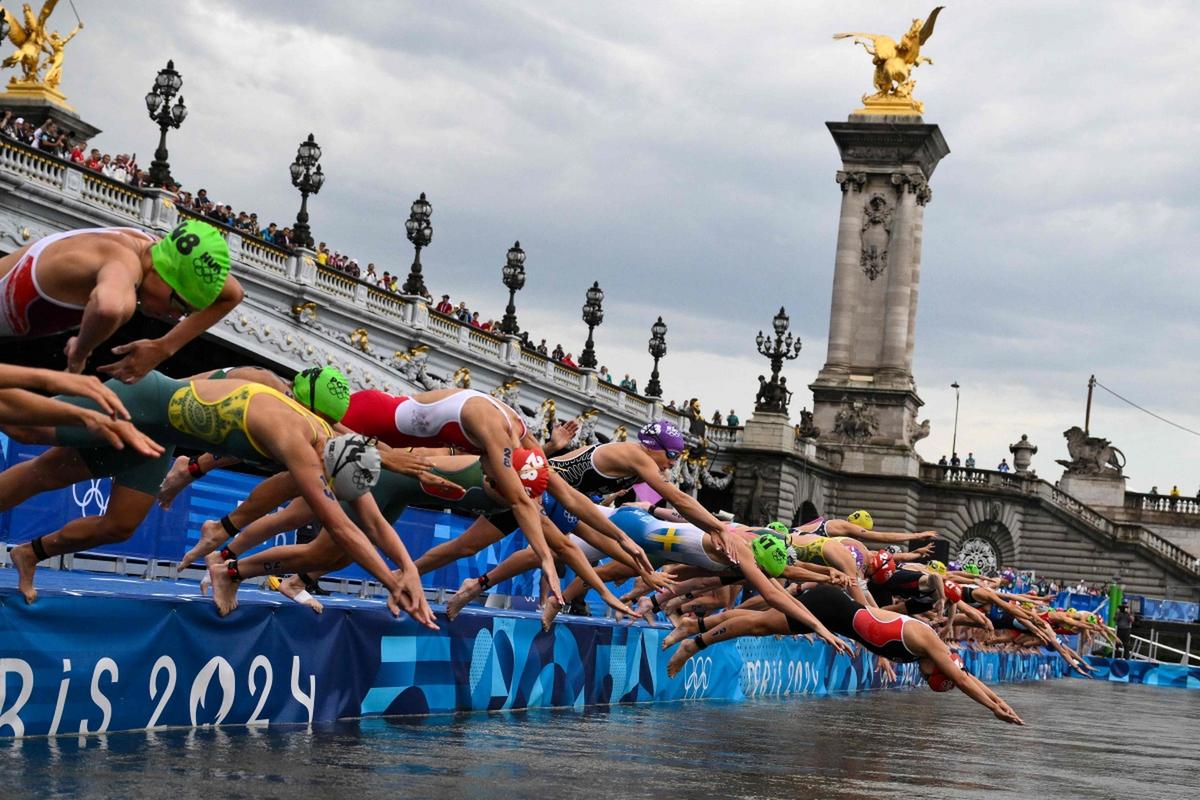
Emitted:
pixel 53 140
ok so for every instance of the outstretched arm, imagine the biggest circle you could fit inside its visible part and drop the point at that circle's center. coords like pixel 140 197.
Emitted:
pixel 109 306
pixel 840 527
pixel 144 355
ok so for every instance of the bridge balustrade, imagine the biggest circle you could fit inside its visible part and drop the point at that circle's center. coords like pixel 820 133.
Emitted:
pixel 1163 503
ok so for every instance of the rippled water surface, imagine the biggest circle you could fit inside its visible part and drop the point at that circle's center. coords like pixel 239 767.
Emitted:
pixel 1084 739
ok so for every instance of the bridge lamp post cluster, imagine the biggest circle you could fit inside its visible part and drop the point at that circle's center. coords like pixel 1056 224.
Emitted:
pixel 308 178
pixel 773 396
pixel 658 349
pixel 593 315
pixel 513 275
pixel 158 102
pixel 419 230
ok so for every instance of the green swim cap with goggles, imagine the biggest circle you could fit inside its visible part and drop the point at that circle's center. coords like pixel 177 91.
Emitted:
pixel 324 390
pixel 770 553
pixel 193 260
pixel 779 527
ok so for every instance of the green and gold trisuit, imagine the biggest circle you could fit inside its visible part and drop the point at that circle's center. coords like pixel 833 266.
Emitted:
pixel 170 412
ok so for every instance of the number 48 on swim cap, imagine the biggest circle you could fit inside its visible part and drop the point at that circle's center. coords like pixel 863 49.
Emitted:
pixel 193 260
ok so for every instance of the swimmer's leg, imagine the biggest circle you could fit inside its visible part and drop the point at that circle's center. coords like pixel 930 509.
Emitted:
pixel 730 626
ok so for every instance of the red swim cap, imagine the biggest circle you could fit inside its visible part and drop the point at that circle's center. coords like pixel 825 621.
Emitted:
pixel 953 592
pixel 533 469
pixel 881 567
pixel 938 681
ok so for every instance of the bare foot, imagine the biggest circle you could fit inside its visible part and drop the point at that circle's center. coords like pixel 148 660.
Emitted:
pixel 686 627
pixel 550 610
pixel 25 562
pixel 212 536
pixel 685 651
pixel 292 586
pixel 176 481
pixel 210 560
pixel 224 589
pixel 469 590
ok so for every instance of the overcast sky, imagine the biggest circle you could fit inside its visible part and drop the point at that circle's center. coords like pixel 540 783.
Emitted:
pixel 677 153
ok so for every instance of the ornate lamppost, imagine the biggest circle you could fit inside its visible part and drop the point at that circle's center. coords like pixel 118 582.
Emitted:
pixel 420 233
pixel 158 103
pixel 593 315
pixel 658 349
pixel 513 274
pixel 308 178
pixel 773 395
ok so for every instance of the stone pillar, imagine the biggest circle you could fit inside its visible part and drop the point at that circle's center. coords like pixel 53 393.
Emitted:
pixel 865 396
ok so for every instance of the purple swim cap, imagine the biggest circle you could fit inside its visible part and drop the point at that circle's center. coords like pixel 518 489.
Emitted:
pixel 662 435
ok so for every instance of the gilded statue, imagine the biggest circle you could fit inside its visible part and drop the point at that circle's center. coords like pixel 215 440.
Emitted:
pixel 55 45
pixel 894 62
pixel 31 40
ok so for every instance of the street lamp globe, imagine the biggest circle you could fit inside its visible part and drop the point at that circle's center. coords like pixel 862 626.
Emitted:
pixel 179 112
pixel 595 295
pixel 421 207
pixel 309 152
pixel 658 330
pixel 780 322
pixel 516 255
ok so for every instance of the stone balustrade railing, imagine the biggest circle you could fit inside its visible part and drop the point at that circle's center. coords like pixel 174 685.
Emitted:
pixel 73 196
pixel 1026 484
pixel 1136 501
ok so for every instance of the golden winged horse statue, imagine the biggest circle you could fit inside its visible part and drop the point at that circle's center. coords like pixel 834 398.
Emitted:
pixel 894 62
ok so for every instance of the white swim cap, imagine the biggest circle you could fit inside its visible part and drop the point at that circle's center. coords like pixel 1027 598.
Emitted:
pixel 352 463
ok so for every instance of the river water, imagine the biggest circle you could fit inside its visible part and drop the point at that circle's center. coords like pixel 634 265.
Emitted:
pixel 1084 739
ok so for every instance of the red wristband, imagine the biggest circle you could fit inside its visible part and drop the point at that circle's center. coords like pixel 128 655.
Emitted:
pixel 194 467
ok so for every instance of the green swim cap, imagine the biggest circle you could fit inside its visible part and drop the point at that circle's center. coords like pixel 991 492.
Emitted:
pixel 971 568
pixel 324 390
pixel 769 554
pixel 779 527
pixel 193 260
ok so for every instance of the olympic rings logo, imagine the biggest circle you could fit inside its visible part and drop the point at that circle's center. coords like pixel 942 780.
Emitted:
pixel 92 495
pixel 695 677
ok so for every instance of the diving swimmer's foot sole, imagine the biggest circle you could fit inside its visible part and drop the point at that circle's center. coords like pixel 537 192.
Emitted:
pixel 25 562
pixel 293 587
pixel 224 589
pixel 469 590
pixel 549 611
pixel 685 628
pixel 685 651
pixel 212 536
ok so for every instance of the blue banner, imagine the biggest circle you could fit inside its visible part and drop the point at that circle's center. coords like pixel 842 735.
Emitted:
pixel 113 653
pixel 1150 673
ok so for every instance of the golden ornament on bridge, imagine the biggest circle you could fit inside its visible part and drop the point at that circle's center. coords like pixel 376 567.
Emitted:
pixel 33 40
pixel 894 62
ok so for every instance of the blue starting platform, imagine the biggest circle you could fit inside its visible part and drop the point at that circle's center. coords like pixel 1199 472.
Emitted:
pixel 1149 673
pixel 108 653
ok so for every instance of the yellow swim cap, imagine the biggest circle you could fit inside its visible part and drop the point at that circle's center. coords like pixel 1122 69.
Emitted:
pixel 862 519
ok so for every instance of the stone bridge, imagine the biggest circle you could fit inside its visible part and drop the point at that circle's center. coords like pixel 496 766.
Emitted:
pixel 297 313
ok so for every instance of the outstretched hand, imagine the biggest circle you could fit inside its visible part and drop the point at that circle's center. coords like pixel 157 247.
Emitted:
pixel 725 543
pixel 420 467
pixel 140 357
pixel 119 433
pixel 87 386
pixel 562 436
pixel 409 596
pixel 836 642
